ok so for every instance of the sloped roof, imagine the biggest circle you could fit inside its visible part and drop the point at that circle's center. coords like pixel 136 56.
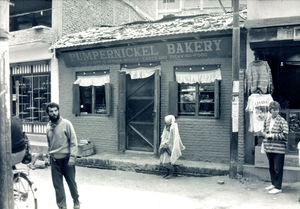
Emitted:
pixel 163 27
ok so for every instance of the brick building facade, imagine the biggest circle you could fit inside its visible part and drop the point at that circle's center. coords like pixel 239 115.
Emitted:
pixel 206 136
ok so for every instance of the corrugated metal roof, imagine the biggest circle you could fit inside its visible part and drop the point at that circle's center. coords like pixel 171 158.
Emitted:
pixel 164 27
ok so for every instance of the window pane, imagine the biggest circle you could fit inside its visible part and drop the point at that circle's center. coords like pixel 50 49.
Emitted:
pixel 187 99
pixel 33 96
pixel 206 99
pixel 86 99
pixel 100 103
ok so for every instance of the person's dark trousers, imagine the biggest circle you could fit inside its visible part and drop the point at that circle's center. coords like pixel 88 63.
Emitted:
pixel 276 162
pixel 60 169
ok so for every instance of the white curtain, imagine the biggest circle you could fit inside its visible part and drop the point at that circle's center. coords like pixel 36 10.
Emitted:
pixel 140 72
pixel 97 80
pixel 198 77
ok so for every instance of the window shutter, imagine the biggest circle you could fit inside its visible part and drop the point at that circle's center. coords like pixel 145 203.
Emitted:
pixel 76 100
pixel 122 112
pixel 173 98
pixel 217 98
pixel 156 135
pixel 108 98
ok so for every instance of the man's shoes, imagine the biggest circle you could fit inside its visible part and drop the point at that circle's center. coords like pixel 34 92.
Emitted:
pixel 270 187
pixel 76 204
pixel 275 191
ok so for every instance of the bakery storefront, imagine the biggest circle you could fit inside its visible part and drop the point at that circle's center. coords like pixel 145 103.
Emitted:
pixel 116 93
pixel 279 48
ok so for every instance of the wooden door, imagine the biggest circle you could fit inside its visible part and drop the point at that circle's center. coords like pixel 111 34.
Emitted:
pixel 140 114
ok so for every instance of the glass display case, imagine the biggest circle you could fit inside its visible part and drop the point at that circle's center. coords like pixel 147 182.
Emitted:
pixel 292 116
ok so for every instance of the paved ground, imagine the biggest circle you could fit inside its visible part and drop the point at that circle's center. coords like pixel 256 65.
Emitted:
pixel 113 189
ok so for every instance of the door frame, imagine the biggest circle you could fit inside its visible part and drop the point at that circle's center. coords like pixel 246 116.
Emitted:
pixel 121 116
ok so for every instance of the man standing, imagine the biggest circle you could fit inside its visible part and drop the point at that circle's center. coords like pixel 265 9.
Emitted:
pixel 62 146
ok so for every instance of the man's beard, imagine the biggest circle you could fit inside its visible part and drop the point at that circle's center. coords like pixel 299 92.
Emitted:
pixel 54 118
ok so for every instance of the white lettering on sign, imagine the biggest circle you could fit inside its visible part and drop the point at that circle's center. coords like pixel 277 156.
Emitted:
pixel 194 46
pixel 156 51
pixel 141 51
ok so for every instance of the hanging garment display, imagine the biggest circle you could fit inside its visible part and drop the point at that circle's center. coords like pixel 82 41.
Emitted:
pixel 259 77
pixel 258 108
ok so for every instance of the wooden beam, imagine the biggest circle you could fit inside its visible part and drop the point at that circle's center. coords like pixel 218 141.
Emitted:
pixel 269 22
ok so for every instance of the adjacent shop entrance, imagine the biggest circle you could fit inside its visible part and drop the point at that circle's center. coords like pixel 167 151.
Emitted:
pixel 141 111
pixel 285 66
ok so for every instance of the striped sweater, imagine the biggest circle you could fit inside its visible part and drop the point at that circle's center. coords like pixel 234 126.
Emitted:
pixel 278 140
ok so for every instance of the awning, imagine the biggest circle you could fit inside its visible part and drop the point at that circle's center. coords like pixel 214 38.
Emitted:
pixel 208 76
pixel 140 72
pixel 97 80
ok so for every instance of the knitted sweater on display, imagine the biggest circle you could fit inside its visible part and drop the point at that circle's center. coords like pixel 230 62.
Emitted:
pixel 259 77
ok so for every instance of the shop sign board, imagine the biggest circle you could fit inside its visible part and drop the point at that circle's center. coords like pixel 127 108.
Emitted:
pixel 202 48
pixel 274 34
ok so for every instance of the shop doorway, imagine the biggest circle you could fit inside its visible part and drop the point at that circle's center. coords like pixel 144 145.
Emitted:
pixel 286 76
pixel 139 112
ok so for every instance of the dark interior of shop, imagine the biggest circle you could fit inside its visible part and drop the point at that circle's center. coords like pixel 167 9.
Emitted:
pixel 285 70
pixel 285 67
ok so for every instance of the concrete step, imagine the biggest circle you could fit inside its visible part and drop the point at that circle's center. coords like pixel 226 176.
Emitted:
pixel 290 174
pixel 150 164
pixel 291 159
pixel 135 161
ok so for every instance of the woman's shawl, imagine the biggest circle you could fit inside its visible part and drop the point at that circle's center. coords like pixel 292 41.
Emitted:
pixel 177 143
pixel 171 139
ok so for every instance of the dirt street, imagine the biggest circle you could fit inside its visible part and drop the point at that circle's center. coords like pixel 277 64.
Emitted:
pixel 110 189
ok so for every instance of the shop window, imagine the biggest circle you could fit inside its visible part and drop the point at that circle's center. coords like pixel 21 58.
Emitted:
pixel 29 13
pixel 195 91
pixel 91 93
pixel 31 91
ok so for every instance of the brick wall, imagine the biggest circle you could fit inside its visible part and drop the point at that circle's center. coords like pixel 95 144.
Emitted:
pixel 204 139
pixel 101 130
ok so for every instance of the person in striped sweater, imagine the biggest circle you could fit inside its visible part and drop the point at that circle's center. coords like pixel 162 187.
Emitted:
pixel 275 141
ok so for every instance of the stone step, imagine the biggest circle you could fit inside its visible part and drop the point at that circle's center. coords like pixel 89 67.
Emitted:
pixel 135 161
pixel 290 174
pixel 291 159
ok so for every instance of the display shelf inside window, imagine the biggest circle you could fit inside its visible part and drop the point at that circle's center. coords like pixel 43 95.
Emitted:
pixel 187 99
pixel 41 95
pixel 33 94
pixel 24 97
pixel 206 99
pixel 293 119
